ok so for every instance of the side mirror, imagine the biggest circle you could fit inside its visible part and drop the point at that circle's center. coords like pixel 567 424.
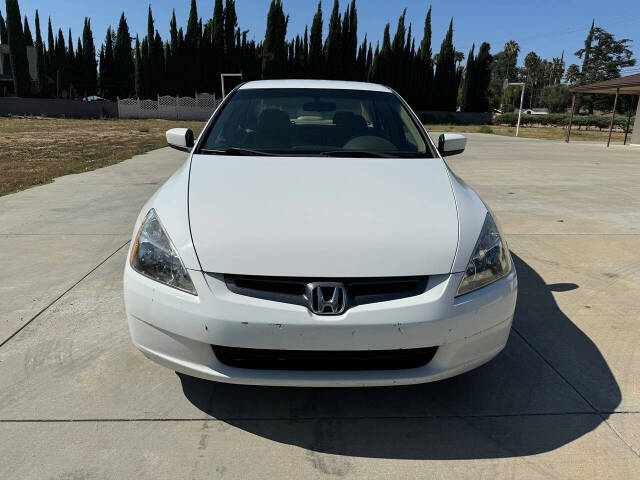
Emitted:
pixel 180 139
pixel 451 144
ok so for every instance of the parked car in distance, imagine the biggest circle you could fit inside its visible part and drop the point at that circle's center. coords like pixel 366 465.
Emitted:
pixel 316 237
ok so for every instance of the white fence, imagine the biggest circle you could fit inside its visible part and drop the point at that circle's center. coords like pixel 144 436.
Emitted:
pixel 171 108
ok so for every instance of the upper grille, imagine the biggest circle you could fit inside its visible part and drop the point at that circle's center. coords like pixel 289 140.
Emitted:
pixel 360 291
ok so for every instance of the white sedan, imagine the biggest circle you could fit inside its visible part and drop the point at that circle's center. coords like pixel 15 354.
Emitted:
pixel 316 237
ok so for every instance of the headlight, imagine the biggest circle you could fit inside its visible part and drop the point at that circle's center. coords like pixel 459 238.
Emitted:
pixel 154 256
pixel 489 262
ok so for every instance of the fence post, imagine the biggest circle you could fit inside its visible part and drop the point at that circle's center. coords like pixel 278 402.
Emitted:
pixel 139 108
pixel 177 107
pixel 197 100
pixel 118 100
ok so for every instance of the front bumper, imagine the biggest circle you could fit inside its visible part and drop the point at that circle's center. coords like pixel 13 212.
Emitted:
pixel 177 330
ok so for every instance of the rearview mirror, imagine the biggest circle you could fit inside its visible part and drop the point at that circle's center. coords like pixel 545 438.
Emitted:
pixel 180 139
pixel 451 144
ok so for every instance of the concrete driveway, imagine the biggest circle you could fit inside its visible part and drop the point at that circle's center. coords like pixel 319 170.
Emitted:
pixel 77 400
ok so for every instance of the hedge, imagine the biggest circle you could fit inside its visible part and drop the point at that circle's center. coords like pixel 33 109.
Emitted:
pixel 562 119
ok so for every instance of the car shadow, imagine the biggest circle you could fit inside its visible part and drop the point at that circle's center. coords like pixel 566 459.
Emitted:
pixel 532 398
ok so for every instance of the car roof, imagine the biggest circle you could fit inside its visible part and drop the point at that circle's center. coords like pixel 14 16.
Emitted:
pixel 326 84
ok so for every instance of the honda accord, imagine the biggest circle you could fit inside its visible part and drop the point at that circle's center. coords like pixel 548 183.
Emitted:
pixel 316 237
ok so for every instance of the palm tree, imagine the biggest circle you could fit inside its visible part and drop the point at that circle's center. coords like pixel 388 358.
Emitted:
pixel 511 51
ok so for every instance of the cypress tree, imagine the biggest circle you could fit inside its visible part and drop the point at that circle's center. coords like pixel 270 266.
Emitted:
pixel 146 57
pixel 469 83
pixel 397 70
pixel 3 30
pixel 40 55
pixel 60 54
pixel 17 50
pixel 274 48
pixel 483 78
pixel 191 44
pixel 345 68
pixel 315 45
pixel 89 66
pixel 230 24
pixel 305 47
pixel 361 60
pixel 217 44
pixel 124 70
pixel 107 65
pixel 173 57
pixel 28 38
pixel 139 71
pixel 333 44
pixel 425 74
pixel 70 55
pixel 352 45
pixel 446 79
pixel 50 59
pixel 101 71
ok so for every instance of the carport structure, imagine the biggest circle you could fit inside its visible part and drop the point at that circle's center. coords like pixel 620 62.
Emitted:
pixel 629 85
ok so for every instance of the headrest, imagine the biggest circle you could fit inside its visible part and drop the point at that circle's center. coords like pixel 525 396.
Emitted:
pixel 272 119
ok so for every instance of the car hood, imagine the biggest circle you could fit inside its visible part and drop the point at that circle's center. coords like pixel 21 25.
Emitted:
pixel 322 217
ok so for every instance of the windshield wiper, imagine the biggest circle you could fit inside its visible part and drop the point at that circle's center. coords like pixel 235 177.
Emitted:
pixel 235 152
pixel 354 153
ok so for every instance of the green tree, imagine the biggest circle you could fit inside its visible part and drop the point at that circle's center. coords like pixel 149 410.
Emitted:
pixel 190 54
pixel 587 47
pixel 123 69
pixel 28 38
pixel 17 50
pixel 572 74
pixel 556 98
pixel 351 43
pixel 468 82
pixel 316 58
pixel 397 68
pixel 274 48
pixel 333 44
pixel 381 68
pixel 511 51
pixel 140 83
pixel 446 78
pixel 40 56
pixel 533 76
pixel 50 58
pixel 482 67
pixel 425 67
pixel 89 64
pixel 230 24
pixel 607 56
pixel 4 38
pixel 107 66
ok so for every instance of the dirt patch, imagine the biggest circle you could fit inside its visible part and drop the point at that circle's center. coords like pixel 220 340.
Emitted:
pixel 35 150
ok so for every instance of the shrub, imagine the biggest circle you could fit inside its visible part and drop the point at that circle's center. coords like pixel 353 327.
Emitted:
pixel 561 120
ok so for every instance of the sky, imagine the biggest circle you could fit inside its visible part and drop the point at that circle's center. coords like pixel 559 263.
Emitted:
pixel 546 27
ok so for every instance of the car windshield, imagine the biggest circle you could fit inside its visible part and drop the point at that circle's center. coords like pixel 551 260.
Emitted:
pixel 318 122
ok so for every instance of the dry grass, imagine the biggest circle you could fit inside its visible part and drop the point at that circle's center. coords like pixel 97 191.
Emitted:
pixel 546 133
pixel 35 150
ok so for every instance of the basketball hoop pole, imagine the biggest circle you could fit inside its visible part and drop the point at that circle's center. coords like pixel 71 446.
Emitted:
pixel 521 101
pixel 222 77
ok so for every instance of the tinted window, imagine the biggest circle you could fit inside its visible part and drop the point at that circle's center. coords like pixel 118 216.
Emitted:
pixel 315 122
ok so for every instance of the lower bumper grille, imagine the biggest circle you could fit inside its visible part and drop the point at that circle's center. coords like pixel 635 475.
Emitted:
pixel 324 360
